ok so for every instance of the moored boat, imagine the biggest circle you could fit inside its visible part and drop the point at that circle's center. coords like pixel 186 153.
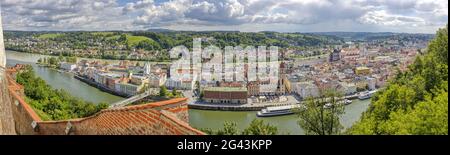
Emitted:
pixel 366 94
pixel 277 111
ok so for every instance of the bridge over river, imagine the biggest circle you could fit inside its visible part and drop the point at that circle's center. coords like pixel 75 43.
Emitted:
pixel 150 91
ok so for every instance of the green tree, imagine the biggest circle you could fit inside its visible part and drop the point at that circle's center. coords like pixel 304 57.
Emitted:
pixel 52 104
pixel 163 91
pixel 256 127
pixel 228 129
pixel 61 57
pixel 201 95
pixel 415 101
pixel 320 115
pixel 52 61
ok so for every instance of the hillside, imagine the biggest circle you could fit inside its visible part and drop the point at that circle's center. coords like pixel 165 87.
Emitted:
pixel 416 101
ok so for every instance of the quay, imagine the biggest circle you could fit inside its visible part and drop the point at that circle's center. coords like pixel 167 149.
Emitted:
pixel 101 87
pixel 247 107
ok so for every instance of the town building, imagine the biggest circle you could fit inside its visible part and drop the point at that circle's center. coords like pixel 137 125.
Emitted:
pixel 68 66
pixel 349 54
pixel 305 89
pixel 348 88
pixel 371 83
pixel 229 95
pixel 335 55
pixel 362 71
pixel 139 80
pixel 157 80
pixel 128 88
pixel 180 84
pixel 253 88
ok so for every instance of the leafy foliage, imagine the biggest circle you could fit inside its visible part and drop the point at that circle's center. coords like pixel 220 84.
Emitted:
pixel 257 127
pixel 320 116
pixel 51 104
pixel 415 102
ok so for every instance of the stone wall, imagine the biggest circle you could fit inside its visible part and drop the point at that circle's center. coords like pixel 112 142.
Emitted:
pixel 6 118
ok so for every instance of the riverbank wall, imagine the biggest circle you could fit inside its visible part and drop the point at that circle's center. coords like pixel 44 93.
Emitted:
pixel 101 87
pixel 217 107
pixel 168 117
pixel 254 107
pixel 225 108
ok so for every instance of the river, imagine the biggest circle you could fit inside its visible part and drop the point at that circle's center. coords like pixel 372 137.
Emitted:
pixel 197 118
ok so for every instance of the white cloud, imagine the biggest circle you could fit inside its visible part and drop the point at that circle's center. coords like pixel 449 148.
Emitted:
pixel 426 15
pixel 385 19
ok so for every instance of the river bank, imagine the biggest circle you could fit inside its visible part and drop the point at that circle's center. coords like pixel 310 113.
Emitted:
pixel 98 59
pixel 100 87
pixel 291 100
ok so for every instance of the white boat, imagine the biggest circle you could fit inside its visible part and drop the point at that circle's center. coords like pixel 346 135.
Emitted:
pixel 328 105
pixel 366 94
pixel 277 111
pixel 347 102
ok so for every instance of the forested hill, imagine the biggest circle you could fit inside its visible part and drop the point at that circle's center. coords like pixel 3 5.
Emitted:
pixel 165 39
pixel 416 101
pixel 371 36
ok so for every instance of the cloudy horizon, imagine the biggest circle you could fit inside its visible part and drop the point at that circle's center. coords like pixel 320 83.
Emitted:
pixel 402 16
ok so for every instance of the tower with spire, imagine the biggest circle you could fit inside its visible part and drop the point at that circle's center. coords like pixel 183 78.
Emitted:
pixel 147 69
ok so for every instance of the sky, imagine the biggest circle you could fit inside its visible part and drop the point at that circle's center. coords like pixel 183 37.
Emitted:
pixel 409 16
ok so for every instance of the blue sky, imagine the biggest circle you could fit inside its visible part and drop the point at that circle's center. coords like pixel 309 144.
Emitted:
pixel 411 16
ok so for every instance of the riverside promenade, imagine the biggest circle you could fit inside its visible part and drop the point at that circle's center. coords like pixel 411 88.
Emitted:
pixel 101 87
pixel 250 106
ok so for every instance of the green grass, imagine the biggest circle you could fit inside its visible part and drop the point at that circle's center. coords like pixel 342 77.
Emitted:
pixel 50 36
pixel 134 40
pixel 113 37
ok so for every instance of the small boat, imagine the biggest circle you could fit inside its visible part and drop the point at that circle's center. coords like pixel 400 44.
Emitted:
pixel 328 105
pixel 277 111
pixel 347 102
pixel 366 94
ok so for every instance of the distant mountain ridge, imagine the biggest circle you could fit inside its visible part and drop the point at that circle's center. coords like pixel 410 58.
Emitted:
pixel 348 36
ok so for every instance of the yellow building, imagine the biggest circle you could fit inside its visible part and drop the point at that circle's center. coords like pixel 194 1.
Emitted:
pixel 362 71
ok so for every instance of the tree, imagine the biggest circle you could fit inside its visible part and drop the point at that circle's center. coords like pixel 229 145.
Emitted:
pixel 175 93
pixel 201 95
pixel 61 57
pixel 229 129
pixel 256 127
pixel 163 91
pixel 52 104
pixel 320 116
pixel 71 59
pixel 415 101
pixel 39 60
pixel 52 61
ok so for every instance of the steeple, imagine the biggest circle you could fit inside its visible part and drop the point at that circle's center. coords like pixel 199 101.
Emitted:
pixel 147 68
